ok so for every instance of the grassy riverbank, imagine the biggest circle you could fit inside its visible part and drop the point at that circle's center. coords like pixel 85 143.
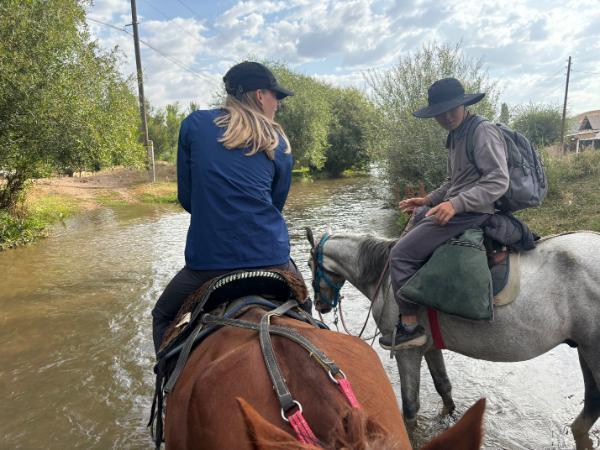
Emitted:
pixel 50 201
pixel 573 201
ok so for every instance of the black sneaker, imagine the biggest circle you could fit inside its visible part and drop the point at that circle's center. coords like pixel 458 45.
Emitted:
pixel 403 338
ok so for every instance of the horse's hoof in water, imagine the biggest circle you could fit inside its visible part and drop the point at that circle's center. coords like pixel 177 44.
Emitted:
pixel 448 410
pixel 411 423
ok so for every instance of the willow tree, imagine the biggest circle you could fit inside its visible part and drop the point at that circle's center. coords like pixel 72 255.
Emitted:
pixel 63 104
pixel 413 149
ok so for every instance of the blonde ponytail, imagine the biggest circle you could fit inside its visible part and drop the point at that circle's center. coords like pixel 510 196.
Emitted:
pixel 247 127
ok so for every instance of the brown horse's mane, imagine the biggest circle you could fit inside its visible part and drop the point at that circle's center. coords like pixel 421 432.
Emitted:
pixel 358 431
pixel 355 431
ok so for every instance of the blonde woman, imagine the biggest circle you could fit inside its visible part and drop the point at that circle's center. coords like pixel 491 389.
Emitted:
pixel 234 168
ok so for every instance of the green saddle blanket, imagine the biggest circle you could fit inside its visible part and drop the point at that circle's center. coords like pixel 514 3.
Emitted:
pixel 456 279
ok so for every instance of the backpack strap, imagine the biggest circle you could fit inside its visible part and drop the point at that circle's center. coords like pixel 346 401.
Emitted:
pixel 471 126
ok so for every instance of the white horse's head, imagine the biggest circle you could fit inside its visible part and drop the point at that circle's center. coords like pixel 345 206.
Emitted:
pixel 326 282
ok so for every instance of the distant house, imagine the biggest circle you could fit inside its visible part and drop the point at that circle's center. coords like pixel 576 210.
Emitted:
pixel 585 133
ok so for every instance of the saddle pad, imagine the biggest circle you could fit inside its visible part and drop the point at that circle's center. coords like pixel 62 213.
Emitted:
pixel 511 288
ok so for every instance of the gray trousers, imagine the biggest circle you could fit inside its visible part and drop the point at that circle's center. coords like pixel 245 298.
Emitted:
pixel 415 248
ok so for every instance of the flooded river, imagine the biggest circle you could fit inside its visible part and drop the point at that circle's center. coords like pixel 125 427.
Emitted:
pixel 77 353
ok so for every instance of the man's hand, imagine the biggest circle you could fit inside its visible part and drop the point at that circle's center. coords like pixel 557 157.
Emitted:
pixel 408 205
pixel 442 213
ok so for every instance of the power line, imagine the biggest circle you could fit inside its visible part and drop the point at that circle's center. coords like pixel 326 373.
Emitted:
pixel 557 72
pixel 585 72
pixel 188 8
pixel 107 24
pixel 175 61
pixel 147 2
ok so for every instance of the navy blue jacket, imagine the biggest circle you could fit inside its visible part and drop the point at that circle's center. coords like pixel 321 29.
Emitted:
pixel 235 200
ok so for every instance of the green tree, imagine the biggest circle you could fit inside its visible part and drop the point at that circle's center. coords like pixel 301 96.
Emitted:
pixel 63 104
pixel 351 132
pixel 504 114
pixel 413 149
pixel 541 123
pixel 305 117
pixel 163 130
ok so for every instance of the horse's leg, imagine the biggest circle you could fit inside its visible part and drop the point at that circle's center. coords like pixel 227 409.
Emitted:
pixel 590 366
pixel 409 367
pixel 437 369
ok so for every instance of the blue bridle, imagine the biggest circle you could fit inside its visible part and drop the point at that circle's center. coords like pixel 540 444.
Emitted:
pixel 321 274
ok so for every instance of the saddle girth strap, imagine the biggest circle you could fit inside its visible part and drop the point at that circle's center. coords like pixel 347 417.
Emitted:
pixel 183 357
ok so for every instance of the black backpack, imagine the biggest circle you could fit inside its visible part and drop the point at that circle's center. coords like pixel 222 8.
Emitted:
pixel 528 184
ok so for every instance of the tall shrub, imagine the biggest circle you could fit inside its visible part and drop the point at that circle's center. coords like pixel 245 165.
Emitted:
pixel 541 123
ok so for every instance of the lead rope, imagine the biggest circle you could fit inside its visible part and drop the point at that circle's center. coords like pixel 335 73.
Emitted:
pixel 378 331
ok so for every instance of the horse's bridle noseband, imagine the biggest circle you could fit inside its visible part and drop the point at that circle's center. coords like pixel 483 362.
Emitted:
pixel 320 273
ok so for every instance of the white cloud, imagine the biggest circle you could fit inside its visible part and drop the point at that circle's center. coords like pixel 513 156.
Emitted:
pixel 524 44
pixel 234 17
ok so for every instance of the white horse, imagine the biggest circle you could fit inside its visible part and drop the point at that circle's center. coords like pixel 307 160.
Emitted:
pixel 558 302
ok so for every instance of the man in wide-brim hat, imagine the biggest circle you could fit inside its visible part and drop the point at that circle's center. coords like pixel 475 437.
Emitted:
pixel 465 200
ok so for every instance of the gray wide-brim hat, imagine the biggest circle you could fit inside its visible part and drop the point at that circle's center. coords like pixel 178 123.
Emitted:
pixel 444 95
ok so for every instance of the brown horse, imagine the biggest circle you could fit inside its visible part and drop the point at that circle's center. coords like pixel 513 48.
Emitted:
pixel 206 410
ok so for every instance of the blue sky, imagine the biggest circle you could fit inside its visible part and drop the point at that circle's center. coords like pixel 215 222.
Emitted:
pixel 524 44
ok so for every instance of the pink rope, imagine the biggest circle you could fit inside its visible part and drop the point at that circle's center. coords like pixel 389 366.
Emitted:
pixel 302 429
pixel 346 389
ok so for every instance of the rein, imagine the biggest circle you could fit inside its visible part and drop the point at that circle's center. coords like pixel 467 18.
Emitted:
pixel 321 274
pixel 286 401
pixel 336 302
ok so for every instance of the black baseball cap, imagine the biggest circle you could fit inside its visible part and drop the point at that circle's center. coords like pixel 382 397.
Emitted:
pixel 249 76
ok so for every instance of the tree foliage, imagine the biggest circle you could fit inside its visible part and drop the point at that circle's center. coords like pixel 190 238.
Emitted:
pixel 305 117
pixel 541 123
pixel 330 129
pixel 163 129
pixel 352 131
pixel 413 149
pixel 63 104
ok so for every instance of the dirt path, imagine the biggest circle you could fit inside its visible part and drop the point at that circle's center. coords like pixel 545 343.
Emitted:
pixel 119 184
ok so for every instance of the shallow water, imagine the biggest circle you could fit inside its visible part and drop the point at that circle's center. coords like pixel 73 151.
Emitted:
pixel 77 351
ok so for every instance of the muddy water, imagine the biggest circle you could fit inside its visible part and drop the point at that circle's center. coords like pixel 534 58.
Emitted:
pixel 76 351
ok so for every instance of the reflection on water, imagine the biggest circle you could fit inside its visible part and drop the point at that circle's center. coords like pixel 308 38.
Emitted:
pixel 76 344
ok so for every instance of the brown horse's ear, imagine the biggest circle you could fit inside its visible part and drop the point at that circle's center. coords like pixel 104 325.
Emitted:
pixel 264 435
pixel 310 237
pixel 467 434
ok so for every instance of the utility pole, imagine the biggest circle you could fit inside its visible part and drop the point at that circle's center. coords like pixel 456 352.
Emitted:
pixel 564 114
pixel 140 78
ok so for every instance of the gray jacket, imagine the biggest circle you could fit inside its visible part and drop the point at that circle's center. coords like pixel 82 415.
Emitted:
pixel 470 187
